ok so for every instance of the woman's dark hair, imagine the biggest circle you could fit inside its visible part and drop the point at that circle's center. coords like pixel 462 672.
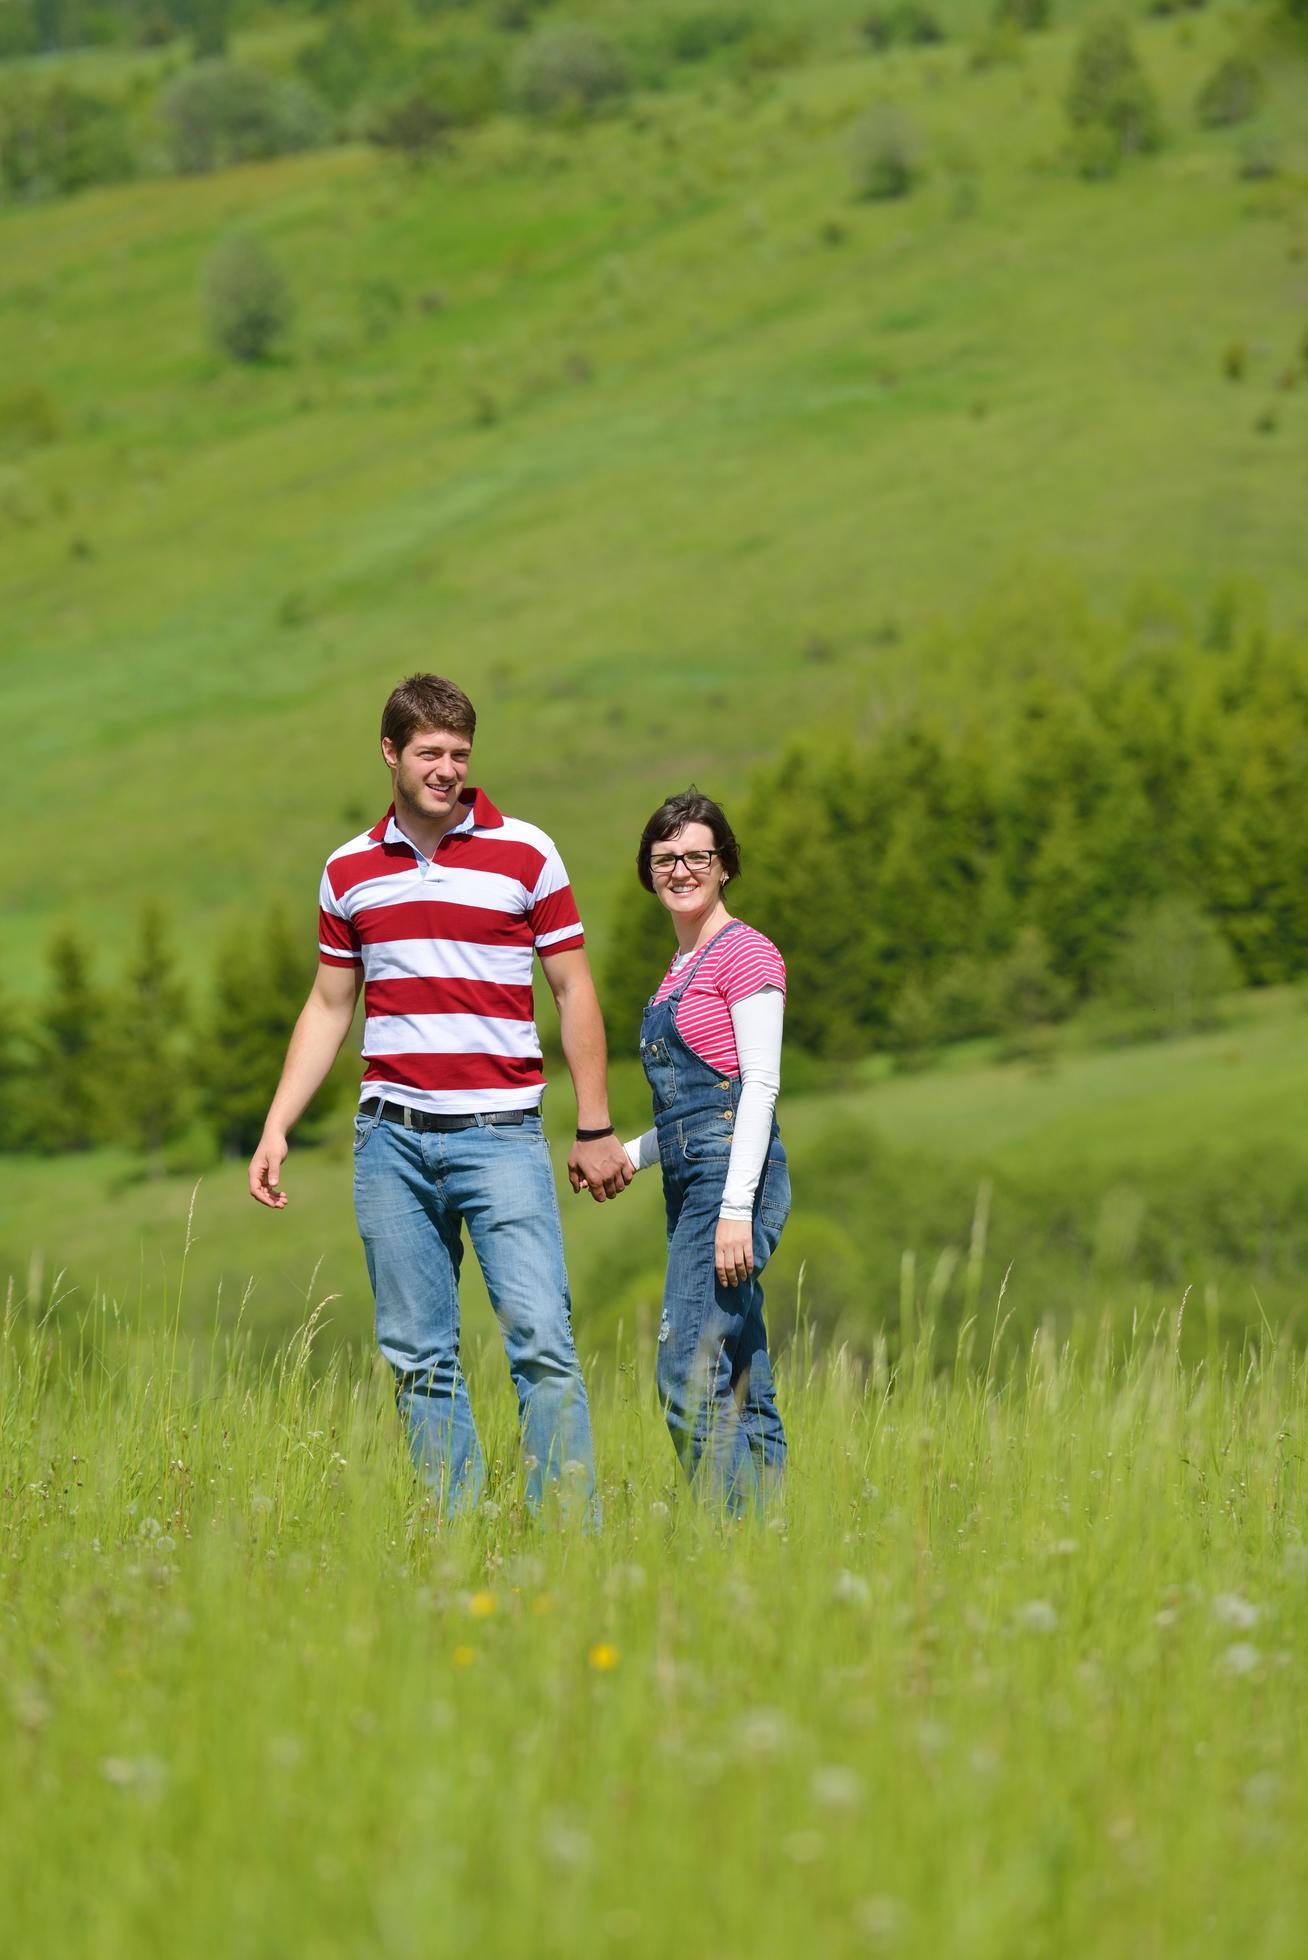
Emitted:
pixel 673 816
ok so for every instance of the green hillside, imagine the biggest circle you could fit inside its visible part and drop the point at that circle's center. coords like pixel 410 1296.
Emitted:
pixel 647 430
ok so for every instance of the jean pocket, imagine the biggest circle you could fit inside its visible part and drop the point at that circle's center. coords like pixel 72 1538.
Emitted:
pixel 364 1126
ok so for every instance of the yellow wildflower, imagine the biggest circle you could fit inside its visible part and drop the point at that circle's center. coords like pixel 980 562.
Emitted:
pixel 481 1605
pixel 604 1657
pixel 464 1656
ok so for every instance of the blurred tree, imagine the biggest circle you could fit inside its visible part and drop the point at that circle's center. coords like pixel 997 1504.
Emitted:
pixel 1171 970
pixel 569 69
pixel 260 980
pixel 15 1070
pixel 1108 94
pixel 642 942
pixel 248 302
pixel 66 1105
pixel 147 1068
pixel 885 152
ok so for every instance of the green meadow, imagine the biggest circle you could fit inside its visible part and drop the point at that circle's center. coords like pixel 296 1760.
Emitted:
pixel 648 430
pixel 1017 1669
pixel 669 448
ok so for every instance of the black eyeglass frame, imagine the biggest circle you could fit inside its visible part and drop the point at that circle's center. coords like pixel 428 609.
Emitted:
pixel 662 866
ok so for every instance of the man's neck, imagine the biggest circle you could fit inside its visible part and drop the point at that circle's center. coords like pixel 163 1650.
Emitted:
pixel 425 833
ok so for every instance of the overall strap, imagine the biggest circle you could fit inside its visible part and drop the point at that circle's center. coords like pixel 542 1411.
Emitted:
pixel 684 979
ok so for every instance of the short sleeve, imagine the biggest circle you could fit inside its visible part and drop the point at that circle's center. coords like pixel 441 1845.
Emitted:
pixel 338 939
pixel 749 963
pixel 552 910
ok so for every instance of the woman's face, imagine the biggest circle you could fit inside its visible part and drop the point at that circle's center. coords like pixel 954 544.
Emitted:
pixel 687 890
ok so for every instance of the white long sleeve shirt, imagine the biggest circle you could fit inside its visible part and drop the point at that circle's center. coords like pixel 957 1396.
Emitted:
pixel 756 1022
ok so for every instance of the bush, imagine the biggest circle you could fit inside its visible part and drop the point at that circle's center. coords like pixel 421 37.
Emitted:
pixel 221 113
pixel 566 70
pixel 414 123
pixel 60 139
pixel 1171 971
pixel 1233 92
pixel 248 302
pixel 909 25
pixel 355 51
pixel 29 417
pixel 1109 90
pixel 885 153
pixel 696 36
pixel 1028 16
pixel 1028 993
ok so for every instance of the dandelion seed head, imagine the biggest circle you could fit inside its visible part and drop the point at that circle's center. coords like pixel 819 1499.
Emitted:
pixel 837 1788
pixel 1037 1616
pixel 1241 1658
pixel 851 1589
pixel 1232 1610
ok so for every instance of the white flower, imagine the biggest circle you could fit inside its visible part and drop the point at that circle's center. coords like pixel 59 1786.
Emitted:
pixel 1242 1658
pixel 851 1589
pixel 1230 1610
pixel 837 1788
pixel 1037 1616
pixel 763 1732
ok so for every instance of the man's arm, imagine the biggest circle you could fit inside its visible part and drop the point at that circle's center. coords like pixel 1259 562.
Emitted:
pixel 315 1043
pixel 603 1167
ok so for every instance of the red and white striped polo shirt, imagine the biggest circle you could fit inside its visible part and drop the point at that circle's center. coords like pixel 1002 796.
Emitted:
pixel 738 963
pixel 446 945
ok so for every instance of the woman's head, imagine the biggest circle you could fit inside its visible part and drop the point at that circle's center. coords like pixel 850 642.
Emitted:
pixel 687 824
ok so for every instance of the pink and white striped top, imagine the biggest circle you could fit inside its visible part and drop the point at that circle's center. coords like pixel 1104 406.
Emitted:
pixel 738 963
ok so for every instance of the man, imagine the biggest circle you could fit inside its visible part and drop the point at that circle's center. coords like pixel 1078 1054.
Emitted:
pixel 436 912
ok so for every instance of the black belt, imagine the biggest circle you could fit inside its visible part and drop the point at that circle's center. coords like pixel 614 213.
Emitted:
pixel 422 1119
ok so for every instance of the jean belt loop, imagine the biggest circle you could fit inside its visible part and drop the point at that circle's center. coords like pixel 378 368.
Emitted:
pixel 408 1117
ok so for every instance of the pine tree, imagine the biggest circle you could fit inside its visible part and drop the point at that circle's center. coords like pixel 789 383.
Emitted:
pixel 15 1071
pixel 147 1070
pixel 260 981
pixel 66 1103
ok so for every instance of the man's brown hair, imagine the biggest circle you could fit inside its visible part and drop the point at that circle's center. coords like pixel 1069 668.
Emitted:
pixel 426 701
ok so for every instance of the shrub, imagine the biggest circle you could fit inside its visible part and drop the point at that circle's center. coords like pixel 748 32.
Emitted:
pixel 1028 16
pixel 356 50
pixel 565 70
pixel 1233 92
pixel 413 123
pixel 60 139
pixel 696 36
pixel 29 416
pixel 908 24
pixel 886 152
pixel 221 113
pixel 1109 90
pixel 1172 970
pixel 1028 993
pixel 248 303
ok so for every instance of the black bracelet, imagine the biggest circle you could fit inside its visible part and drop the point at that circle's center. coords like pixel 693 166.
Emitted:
pixel 593 1136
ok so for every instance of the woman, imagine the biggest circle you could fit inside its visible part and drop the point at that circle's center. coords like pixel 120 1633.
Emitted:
pixel 711 1047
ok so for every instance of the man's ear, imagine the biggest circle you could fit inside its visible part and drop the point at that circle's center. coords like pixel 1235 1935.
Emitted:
pixel 389 756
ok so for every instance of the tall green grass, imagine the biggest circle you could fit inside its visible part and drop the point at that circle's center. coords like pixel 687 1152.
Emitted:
pixel 1016 1669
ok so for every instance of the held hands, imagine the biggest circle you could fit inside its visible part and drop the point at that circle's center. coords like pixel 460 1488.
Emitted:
pixel 266 1172
pixel 601 1167
pixel 733 1251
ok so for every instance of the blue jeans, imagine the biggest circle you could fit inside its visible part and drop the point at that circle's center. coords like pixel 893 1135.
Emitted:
pixel 413 1193
pixel 714 1370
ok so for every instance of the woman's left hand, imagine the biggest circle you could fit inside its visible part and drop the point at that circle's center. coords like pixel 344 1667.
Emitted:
pixel 733 1253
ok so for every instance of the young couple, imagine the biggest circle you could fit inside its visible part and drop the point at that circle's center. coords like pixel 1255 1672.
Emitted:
pixel 436 912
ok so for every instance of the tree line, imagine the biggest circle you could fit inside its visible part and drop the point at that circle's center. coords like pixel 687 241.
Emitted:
pixel 141 1063
pixel 1130 821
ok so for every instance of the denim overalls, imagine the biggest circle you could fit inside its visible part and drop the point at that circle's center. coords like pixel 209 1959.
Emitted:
pixel 714 1375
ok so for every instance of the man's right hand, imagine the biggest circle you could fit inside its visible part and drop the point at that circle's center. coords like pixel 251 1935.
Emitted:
pixel 266 1172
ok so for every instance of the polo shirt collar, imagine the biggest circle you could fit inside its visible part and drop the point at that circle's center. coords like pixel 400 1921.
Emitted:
pixel 482 815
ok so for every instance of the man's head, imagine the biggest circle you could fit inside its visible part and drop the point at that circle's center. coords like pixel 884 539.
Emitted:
pixel 426 741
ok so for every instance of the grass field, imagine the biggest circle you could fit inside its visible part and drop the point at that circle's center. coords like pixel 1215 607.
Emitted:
pixel 1017 1669
pixel 1093 1164
pixel 618 425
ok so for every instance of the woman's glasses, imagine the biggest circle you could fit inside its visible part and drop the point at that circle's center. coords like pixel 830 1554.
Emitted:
pixel 662 862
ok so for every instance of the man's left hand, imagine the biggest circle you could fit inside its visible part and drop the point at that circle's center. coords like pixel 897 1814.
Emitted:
pixel 603 1168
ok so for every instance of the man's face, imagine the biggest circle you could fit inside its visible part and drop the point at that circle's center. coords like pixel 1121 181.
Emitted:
pixel 430 771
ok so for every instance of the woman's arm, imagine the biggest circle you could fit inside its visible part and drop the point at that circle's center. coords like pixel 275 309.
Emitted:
pixel 643 1151
pixel 757 1023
